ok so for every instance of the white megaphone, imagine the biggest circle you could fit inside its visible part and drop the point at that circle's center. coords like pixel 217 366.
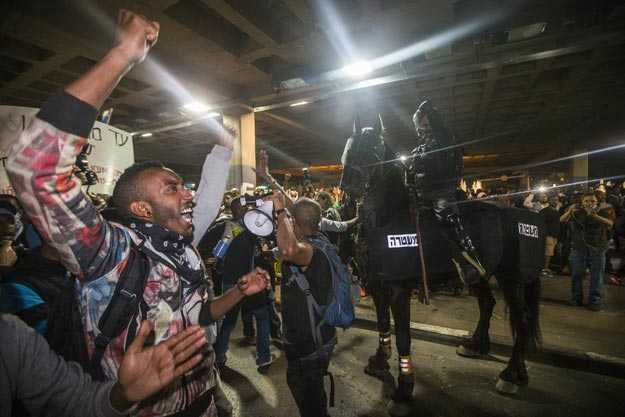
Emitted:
pixel 259 221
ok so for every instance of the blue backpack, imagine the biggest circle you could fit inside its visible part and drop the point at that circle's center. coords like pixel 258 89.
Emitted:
pixel 339 311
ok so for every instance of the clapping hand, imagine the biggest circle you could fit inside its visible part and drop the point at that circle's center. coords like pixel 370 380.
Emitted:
pixel 254 282
pixel 145 371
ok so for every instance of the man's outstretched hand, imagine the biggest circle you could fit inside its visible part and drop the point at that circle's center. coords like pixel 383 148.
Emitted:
pixel 254 282
pixel 144 371
pixel 263 171
pixel 263 167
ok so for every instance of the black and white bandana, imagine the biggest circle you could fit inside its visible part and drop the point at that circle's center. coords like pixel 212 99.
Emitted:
pixel 170 245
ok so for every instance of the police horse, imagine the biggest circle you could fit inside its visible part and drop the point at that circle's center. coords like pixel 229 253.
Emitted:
pixel 509 242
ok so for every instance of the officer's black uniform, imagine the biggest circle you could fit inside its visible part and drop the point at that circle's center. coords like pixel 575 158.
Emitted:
pixel 434 171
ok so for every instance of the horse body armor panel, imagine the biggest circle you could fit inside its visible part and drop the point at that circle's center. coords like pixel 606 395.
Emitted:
pixel 393 251
pixel 521 231
pixel 394 255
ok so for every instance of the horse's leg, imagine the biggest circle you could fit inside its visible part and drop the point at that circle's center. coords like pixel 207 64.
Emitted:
pixel 479 342
pixel 401 403
pixel 378 363
pixel 515 375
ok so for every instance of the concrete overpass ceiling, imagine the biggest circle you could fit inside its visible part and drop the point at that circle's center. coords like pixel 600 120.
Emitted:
pixel 533 81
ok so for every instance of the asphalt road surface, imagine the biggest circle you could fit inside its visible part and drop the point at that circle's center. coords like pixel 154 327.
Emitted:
pixel 445 384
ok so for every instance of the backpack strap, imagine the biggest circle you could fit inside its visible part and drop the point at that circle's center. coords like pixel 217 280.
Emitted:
pixel 331 396
pixel 313 306
pixel 303 285
pixel 124 303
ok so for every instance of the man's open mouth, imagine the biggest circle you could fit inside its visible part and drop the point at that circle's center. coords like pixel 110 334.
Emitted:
pixel 187 215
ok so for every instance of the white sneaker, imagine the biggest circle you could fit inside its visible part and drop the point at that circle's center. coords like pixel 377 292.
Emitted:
pixel 272 359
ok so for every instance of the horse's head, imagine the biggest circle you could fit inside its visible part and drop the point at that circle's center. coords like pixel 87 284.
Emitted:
pixel 363 152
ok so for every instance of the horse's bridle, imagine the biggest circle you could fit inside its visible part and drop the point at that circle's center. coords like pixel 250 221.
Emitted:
pixel 356 166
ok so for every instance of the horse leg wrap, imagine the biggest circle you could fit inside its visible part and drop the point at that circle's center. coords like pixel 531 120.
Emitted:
pixel 378 363
pixel 384 345
pixel 405 365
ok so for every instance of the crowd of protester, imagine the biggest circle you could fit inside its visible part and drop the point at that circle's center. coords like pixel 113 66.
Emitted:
pixel 120 280
pixel 551 204
pixel 585 228
pixel 32 270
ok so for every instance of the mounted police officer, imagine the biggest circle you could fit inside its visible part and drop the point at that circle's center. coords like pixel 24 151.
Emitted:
pixel 433 173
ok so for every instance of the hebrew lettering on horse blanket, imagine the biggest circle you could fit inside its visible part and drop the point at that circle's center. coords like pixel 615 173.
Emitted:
pixel 393 248
pixel 509 240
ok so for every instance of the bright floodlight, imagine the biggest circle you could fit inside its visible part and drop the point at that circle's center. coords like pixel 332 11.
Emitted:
pixel 541 189
pixel 402 158
pixel 213 114
pixel 357 68
pixel 299 103
pixel 196 107
pixel 146 135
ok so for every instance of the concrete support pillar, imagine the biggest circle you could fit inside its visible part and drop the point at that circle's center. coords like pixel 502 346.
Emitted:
pixel 524 183
pixel 244 152
pixel 579 166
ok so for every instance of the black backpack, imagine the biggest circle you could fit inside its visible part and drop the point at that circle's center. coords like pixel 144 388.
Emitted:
pixel 64 330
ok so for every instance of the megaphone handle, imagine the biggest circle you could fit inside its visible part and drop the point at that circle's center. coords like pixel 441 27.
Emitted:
pixel 260 218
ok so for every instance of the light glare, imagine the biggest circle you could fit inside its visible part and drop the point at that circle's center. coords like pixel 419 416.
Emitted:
pixel 299 103
pixel 357 68
pixel 146 135
pixel 196 107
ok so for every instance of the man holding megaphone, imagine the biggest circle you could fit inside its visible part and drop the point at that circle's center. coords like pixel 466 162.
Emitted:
pixel 232 244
